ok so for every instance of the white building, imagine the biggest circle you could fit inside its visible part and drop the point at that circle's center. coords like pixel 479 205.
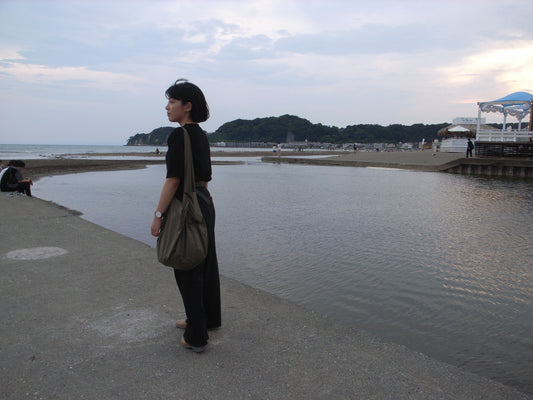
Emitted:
pixel 455 136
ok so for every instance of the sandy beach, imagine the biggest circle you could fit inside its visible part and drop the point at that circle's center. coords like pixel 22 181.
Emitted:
pixel 420 160
pixel 415 160
pixel 40 168
pixel 425 160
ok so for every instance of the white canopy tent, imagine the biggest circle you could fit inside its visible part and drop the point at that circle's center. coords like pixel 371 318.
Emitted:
pixel 458 128
pixel 517 105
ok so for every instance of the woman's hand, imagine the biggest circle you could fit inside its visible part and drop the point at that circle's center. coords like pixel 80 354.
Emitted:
pixel 169 189
pixel 156 227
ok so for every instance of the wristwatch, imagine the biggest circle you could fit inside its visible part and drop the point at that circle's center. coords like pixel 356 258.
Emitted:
pixel 158 214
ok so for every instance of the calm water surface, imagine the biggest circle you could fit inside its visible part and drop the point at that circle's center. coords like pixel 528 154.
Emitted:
pixel 440 263
pixel 35 151
pixel 39 151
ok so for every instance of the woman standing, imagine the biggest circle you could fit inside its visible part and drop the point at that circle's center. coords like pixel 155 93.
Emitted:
pixel 199 287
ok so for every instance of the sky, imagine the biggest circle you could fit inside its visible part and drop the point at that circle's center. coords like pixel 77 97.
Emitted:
pixel 95 72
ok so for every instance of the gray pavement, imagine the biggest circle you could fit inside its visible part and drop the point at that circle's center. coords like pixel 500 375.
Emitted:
pixel 89 314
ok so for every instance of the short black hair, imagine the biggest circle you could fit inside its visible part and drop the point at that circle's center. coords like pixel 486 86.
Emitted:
pixel 17 163
pixel 188 92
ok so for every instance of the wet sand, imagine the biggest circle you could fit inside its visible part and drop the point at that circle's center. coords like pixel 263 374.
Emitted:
pixel 415 157
pixel 422 160
pixel 38 168
pixel 415 160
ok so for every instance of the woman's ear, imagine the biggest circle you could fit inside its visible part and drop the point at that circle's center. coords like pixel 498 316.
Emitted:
pixel 187 107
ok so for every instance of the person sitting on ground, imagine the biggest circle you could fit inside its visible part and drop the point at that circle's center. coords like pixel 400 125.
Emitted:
pixel 11 179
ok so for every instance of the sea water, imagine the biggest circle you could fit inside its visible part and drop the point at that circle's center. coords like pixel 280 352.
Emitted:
pixel 438 262
pixel 40 151
pixel 36 151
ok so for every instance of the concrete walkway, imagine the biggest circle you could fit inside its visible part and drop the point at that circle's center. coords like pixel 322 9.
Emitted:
pixel 89 314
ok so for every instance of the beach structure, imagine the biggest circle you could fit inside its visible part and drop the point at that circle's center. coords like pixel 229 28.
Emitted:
pixel 455 136
pixel 507 142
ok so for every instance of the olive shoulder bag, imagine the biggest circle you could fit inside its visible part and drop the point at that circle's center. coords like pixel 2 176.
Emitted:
pixel 182 242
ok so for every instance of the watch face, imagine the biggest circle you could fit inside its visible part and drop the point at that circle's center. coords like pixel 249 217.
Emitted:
pixel 158 214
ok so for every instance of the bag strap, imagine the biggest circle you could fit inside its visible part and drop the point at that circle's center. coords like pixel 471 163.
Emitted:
pixel 188 167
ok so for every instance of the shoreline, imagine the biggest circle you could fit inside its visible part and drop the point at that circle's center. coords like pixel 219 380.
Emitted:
pixel 414 160
pixel 42 167
pixel 427 161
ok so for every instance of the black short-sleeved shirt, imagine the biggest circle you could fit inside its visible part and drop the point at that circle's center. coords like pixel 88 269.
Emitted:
pixel 201 154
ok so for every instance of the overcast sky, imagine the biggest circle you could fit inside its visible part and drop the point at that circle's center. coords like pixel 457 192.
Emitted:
pixel 95 72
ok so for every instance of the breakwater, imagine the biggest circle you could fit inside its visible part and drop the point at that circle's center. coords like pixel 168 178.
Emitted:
pixel 494 167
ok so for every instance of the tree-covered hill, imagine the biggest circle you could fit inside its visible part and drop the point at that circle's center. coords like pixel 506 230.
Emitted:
pixel 290 128
pixel 287 128
pixel 158 137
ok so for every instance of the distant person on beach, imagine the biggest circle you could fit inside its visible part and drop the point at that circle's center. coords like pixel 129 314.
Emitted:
pixel 11 179
pixel 469 148
pixel 199 287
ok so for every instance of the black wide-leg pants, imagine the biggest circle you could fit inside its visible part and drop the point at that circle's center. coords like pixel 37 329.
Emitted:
pixel 200 287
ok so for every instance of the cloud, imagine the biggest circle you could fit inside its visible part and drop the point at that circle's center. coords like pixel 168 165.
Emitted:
pixel 372 39
pixel 76 76
pixel 509 66
pixel 10 53
pixel 337 62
